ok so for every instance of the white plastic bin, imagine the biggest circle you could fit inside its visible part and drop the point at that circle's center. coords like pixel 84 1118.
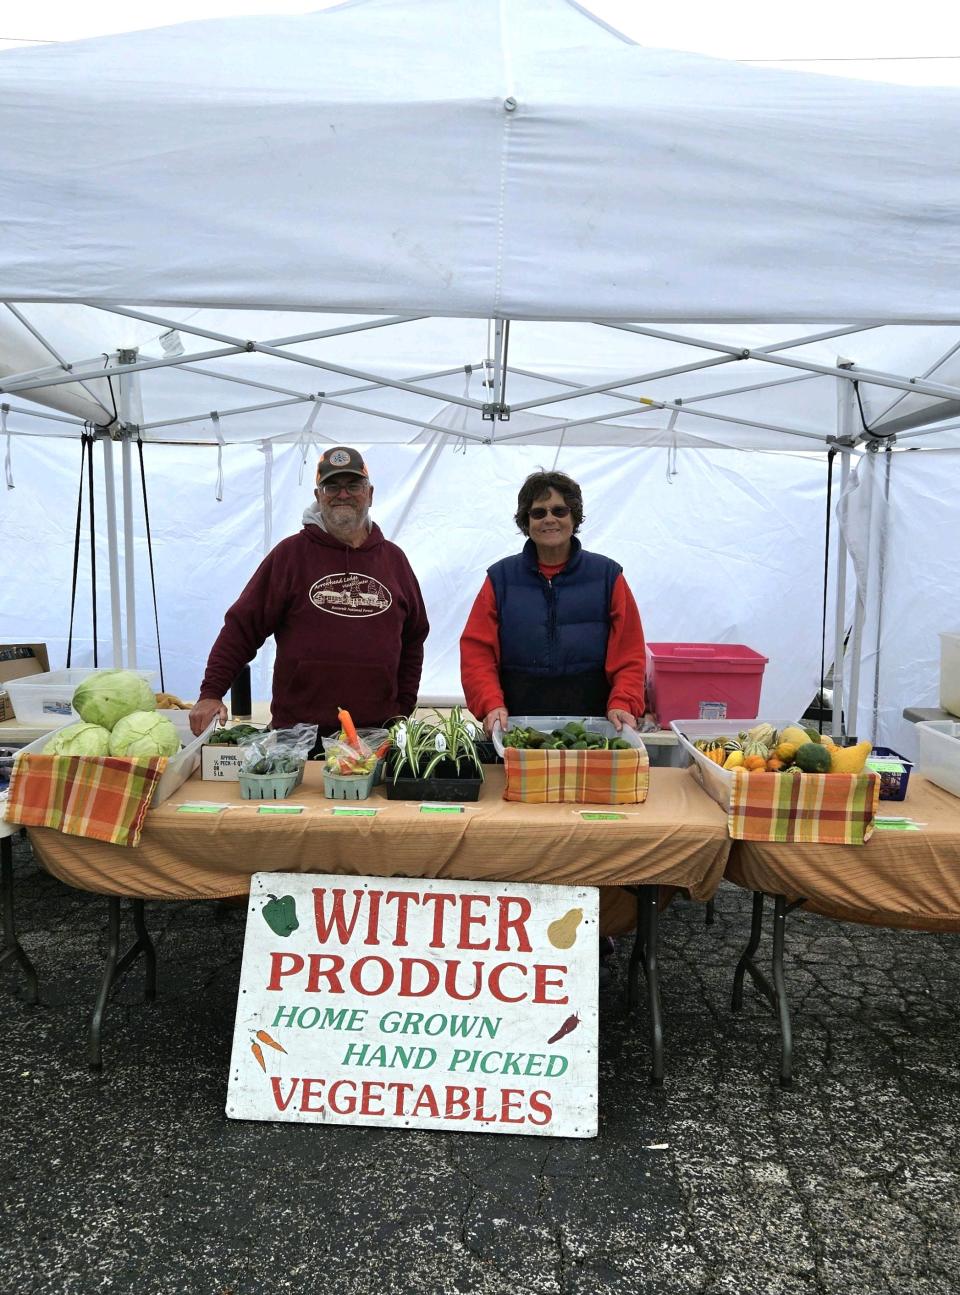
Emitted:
pixel 179 766
pixel 949 671
pixel 716 782
pixel 939 744
pixel 43 698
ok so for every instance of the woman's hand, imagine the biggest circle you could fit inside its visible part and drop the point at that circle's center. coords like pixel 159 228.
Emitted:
pixel 620 717
pixel 498 716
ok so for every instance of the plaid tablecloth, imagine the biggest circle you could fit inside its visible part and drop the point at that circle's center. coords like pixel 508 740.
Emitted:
pixel 577 777
pixel 829 808
pixel 104 797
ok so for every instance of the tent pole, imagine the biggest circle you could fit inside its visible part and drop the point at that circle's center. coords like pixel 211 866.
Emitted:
pixel 840 618
pixel 112 553
pixel 128 553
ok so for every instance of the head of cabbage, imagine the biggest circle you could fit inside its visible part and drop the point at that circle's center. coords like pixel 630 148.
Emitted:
pixel 109 695
pixel 144 733
pixel 79 739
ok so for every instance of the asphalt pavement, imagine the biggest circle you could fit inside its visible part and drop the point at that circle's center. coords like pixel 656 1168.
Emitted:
pixel 721 1183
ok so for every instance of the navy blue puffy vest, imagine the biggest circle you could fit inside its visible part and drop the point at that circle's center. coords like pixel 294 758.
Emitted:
pixel 557 627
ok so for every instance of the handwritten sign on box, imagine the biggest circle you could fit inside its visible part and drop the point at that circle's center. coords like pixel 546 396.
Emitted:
pixel 427 1004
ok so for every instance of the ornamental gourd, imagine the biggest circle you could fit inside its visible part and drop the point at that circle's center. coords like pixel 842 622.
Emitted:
pixel 811 757
pixel 850 759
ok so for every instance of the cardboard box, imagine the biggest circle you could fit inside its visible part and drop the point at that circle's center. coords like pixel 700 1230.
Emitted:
pixel 220 764
pixel 17 661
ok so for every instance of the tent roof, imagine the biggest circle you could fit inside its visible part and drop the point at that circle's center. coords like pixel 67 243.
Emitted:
pixel 366 158
pixel 263 179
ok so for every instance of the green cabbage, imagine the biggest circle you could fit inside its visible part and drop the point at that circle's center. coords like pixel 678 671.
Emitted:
pixel 79 739
pixel 109 695
pixel 144 733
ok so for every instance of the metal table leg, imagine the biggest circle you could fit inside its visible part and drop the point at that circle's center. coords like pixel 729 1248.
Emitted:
pixel 644 954
pixel 650 896
pixel 12 950
pixel 116 966
pixel 775 994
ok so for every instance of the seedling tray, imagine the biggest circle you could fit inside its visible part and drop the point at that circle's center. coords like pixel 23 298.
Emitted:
pixel 445 789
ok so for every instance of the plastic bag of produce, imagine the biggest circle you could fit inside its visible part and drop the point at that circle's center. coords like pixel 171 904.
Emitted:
pixel 278 750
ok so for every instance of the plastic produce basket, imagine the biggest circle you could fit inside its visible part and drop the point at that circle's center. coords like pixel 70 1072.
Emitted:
pixel 179 766
pixel 42 698
pixel 337 786
pixel 893 786
pixel 268 786
pixel 716 782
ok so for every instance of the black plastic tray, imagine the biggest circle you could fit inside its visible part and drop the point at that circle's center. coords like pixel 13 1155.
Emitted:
pixel 448 789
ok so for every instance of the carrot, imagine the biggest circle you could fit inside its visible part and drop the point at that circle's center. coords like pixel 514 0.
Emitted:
pixel 257 1051
pixel 349 728
pixel 264 1037
pixel 569 1025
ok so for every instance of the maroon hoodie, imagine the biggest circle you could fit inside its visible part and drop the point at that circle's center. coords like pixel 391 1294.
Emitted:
pixel 349 625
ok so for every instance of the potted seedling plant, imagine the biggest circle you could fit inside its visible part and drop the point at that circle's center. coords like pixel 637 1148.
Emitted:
pixel 434 758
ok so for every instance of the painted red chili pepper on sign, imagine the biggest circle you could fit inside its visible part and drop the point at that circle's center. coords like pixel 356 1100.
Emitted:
pixel 569 1025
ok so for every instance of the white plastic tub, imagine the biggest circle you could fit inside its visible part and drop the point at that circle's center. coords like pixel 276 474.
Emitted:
pixel 949 671
pixel 179 766
pixel 716 782
pixel 547 723
pixel 42 698
pixel 939 760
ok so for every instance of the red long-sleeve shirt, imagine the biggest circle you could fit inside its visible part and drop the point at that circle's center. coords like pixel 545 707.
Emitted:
pixel 625 662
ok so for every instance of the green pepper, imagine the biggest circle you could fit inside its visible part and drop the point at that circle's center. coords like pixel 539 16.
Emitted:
pixel 280 914
pixel 620 744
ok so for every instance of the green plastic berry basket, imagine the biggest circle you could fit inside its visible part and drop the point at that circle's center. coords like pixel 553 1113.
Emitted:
pixel 338 786
pixel 268 786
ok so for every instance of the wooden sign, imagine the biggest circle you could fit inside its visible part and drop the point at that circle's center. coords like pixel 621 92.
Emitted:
pixel 426 1004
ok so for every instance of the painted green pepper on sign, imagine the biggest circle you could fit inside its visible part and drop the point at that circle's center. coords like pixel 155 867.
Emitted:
pixel 280 914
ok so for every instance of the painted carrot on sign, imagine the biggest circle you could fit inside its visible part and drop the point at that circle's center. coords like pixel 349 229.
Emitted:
pixel 264 1037
pixel 257 1051
pixel 569 1025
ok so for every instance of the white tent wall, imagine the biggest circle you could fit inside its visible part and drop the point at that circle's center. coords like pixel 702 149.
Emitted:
pixel 901 522
pixel 717 546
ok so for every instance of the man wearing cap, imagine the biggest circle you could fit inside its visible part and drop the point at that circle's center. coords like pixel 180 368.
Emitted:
pixel 344 607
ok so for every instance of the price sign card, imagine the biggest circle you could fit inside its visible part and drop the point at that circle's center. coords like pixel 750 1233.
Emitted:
pixel 422 1004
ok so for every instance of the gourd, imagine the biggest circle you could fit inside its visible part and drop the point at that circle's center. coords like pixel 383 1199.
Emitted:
pixel 811 757
pixel 753 746
pixel 764 733
pixel 562 933
pixel 793 733
pixel 850 759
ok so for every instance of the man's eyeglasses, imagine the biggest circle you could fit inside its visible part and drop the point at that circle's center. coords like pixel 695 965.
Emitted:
pixel 332 488
pixel 559 510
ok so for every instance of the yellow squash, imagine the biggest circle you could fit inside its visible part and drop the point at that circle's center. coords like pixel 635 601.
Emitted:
pixel 849 759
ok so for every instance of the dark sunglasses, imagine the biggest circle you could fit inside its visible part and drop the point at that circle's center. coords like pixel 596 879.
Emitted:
pixel 559 510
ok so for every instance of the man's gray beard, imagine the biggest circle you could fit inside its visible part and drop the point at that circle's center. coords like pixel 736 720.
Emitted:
pixel 358 524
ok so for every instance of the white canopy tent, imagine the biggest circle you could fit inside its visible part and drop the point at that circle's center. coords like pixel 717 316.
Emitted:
pixel 445 228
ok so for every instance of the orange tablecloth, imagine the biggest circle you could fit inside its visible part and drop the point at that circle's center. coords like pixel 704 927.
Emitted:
pixel 677 837
pixel 901 879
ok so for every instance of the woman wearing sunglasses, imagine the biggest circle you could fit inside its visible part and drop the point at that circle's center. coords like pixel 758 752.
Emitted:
pixel 555 629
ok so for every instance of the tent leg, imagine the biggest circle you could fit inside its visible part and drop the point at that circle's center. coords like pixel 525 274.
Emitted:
pixel 112 550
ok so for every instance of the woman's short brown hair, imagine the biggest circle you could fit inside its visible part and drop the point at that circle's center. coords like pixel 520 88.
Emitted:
pixel 539 484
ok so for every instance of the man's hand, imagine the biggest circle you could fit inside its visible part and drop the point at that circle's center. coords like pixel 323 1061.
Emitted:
pixel 620 717
pixel 498 716
pixel 204 712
